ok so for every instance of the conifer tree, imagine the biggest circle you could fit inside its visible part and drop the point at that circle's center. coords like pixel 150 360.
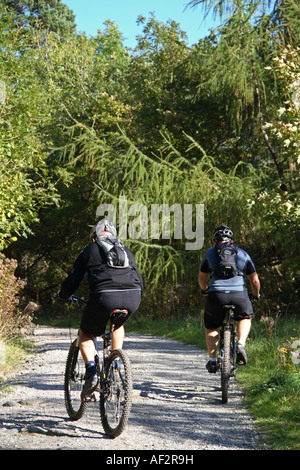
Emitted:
pixel 53 15
pixel 253 33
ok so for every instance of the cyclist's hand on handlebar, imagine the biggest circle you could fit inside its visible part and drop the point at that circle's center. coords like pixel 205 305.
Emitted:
pixel 254 298
pixel 204 292
pixel 70 299
pixel 74 299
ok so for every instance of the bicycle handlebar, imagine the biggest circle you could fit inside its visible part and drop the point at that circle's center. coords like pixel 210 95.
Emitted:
pixel 75 298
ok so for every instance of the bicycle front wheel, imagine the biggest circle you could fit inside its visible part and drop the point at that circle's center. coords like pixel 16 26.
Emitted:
pixel 225 366
pixel 116 396
pixel 74 382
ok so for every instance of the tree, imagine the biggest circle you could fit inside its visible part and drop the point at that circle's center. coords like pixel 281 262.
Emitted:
pixel 284 129
pixel 239 74
pixel 26 181
pixel 155 83
pixel 227 7
pixel 81 88
pixel 234 73
pixel 53 15
pixel 165 124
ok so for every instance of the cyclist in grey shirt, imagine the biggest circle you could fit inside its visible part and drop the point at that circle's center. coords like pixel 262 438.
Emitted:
pixel 221 290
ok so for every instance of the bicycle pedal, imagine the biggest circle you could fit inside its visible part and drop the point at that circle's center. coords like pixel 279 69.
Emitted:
pixel 90 399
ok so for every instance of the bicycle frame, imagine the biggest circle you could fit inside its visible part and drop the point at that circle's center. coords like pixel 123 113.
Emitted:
pixel 107 343
pixel 230 324
pixel 114 385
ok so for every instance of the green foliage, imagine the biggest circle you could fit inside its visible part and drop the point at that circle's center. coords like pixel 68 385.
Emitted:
pixel 53 15
pixel 176 179
pixel 86 121
pixel 26 183
pixel 271 381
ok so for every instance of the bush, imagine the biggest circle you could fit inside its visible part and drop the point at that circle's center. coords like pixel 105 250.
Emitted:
pixel 12 320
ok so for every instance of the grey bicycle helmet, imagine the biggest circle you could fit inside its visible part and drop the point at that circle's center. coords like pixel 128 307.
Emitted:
pixel 223 233
pixel 104 228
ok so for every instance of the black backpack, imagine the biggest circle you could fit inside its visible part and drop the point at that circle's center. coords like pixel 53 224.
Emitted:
pixel 226 260
pixel 114 249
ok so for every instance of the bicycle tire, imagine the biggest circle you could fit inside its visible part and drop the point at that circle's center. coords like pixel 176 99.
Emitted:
pixel 74 382
pixel 226 365
pixel 116 394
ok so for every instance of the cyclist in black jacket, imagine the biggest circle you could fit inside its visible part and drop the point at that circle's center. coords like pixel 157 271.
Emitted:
pixel 110 288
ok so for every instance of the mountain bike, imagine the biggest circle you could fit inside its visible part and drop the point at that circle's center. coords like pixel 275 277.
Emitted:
pixel 227 350
pixel 114 380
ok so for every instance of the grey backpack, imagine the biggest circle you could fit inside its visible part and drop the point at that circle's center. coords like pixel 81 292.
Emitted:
pixel 114 249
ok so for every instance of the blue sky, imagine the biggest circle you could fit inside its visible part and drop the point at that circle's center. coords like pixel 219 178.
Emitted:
pixel 91 14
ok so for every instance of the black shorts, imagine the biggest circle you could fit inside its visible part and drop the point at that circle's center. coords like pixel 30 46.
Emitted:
pixel 96 314
pixel 214 312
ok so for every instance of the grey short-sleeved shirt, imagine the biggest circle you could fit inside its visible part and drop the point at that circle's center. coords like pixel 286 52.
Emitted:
pixel 237 283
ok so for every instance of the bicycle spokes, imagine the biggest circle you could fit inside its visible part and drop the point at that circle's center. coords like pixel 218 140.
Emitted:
pixel 115 389
pixel 227 353
pixel 115 402
pixel 115 398
pixel 74 382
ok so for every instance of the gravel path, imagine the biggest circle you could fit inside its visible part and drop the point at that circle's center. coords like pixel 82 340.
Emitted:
pixel 176 403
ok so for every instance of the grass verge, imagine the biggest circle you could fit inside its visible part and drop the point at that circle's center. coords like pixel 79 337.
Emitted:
pixel 12 354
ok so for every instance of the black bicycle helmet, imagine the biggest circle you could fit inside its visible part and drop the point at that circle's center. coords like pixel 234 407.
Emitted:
pixel 104 228
pixel 223 233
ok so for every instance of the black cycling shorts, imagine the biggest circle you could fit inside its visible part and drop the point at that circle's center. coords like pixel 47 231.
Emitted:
pixel 96 314
pixel 214 312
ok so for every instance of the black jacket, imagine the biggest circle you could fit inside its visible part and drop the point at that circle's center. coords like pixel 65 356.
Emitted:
pixel 92 261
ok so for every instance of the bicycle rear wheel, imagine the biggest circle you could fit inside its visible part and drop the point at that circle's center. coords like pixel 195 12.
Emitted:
pixel 74 382
pixel 225 365
pixel 116 396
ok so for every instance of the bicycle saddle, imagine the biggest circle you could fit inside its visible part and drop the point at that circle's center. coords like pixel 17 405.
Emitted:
pixel 119 312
